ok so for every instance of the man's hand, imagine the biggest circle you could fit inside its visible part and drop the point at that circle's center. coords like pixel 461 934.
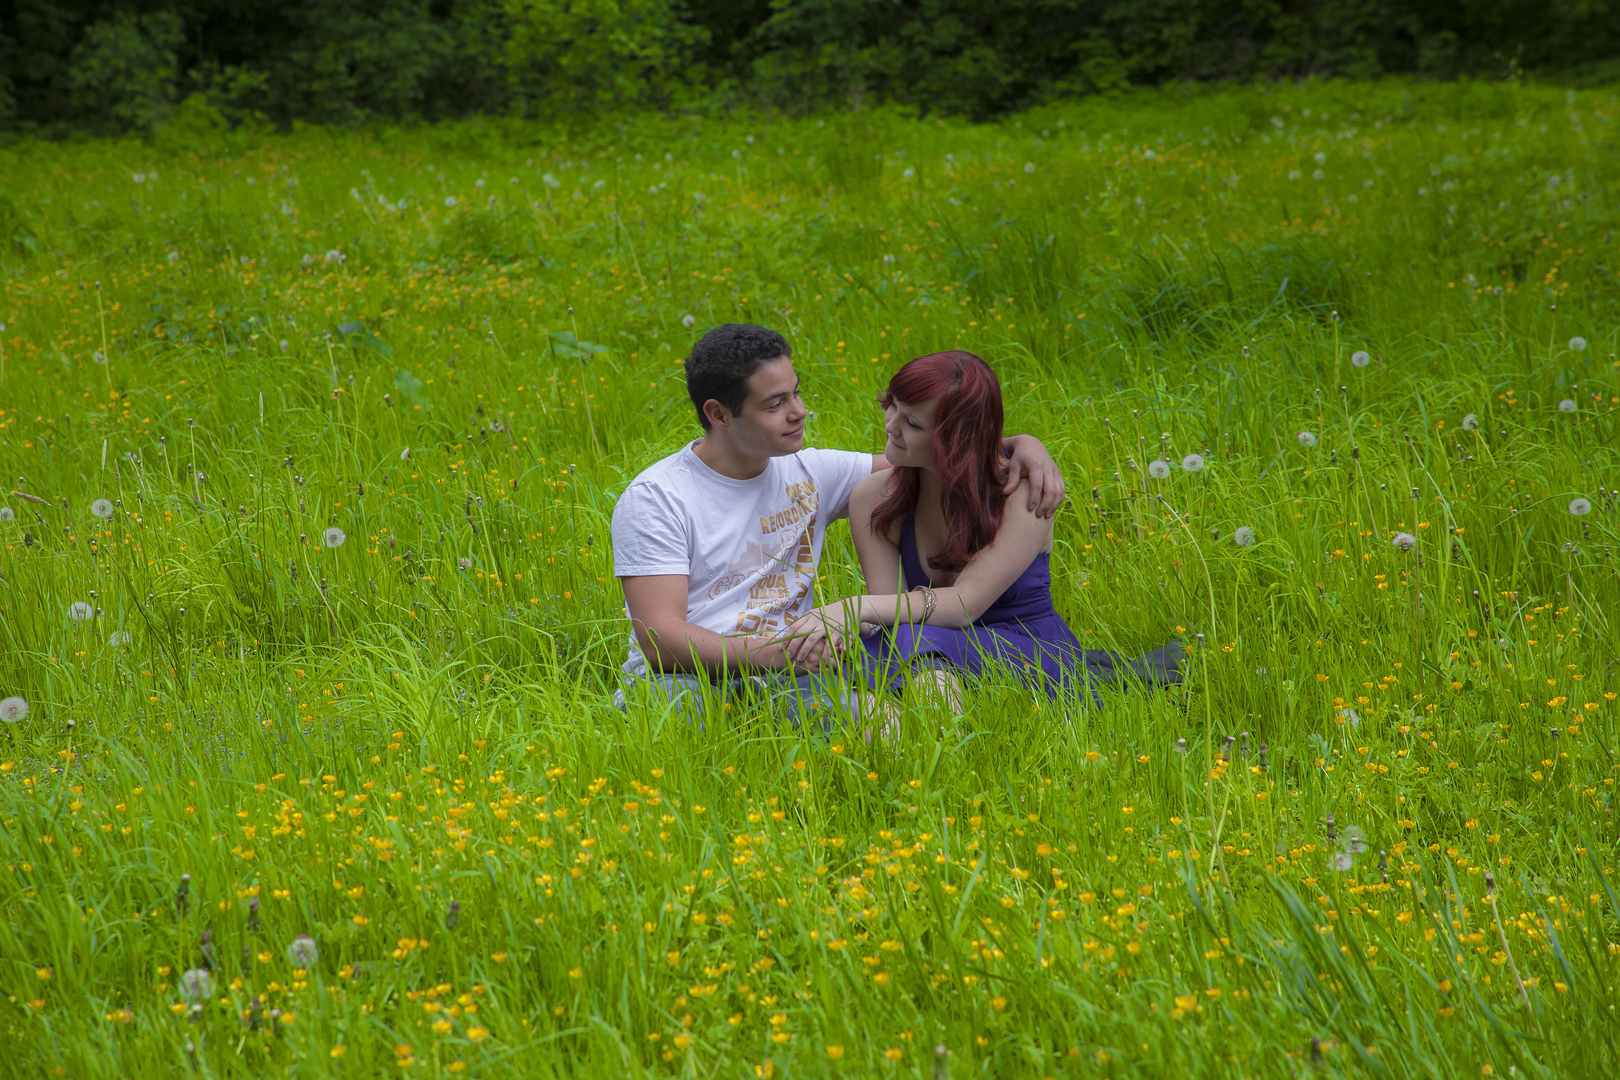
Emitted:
pixel 817 638
pixel 1031 461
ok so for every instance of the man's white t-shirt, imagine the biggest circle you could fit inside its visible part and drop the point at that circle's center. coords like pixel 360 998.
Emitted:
pixel 748 548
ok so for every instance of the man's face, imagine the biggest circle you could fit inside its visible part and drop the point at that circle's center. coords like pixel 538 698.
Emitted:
pixel 771 421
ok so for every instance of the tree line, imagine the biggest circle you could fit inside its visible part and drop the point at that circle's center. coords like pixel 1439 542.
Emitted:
pixel 104 66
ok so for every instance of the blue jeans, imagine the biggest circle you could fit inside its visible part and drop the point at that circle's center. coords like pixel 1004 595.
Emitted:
pixel 791 697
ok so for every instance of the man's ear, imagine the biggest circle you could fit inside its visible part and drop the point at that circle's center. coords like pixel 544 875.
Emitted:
pixel 717 414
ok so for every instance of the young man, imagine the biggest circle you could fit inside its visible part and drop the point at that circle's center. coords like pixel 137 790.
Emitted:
pixel 717 544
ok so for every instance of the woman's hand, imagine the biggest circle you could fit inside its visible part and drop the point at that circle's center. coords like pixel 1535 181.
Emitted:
pixel 823 632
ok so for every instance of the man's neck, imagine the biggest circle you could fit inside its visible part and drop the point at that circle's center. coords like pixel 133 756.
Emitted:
pixel 726 458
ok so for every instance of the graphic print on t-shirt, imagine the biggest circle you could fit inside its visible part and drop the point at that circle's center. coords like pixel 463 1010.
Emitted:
pixel 787 554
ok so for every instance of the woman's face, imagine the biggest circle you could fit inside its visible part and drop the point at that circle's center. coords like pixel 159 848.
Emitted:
pixel 910 431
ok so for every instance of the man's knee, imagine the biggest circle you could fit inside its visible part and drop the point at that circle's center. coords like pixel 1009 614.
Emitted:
pixel 686 693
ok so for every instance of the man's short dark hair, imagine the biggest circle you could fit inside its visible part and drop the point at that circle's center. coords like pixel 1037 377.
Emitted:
pixel 724 359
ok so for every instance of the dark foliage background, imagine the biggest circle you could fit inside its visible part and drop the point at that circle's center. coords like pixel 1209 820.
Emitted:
pixel 98 66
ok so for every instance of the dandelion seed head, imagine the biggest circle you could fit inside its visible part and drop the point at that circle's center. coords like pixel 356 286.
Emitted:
pixel 688 321
pixel 463 563
pixel 102 508
pixel 1029 167
pixel 303 952
pixel 99 357
pixel 197 986
pixel 174 257
pixel 405 454
pixel 1580 507
pixel 80 611
pixel 1577 344
pixel 1343 861
pixel 1306 439
pixel 1243 536
pixel 1470 422
pixel 13 710
pixel 333 537
pixel 285 344
pixel 1404 541
pixel 450 202
pixel 1159 470
pixel 1192 462
pixel 1360 358
pixel 7 514
pixel 1567 405
pixel 334 256
pixel 1353 840
pixel 118 638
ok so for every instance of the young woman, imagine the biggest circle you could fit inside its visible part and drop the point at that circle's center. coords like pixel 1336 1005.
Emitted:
pixel 957 574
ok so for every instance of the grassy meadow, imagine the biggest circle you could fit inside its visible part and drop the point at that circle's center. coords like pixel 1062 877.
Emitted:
pixel 310 444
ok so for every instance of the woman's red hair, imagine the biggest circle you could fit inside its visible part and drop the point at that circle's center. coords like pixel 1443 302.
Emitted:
pixel 967 452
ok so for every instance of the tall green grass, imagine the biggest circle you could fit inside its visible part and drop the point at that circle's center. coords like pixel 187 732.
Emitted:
pixel 1373 835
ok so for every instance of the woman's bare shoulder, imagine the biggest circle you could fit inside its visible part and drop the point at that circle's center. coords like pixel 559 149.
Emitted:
pixel 1017 517
pixel 870 491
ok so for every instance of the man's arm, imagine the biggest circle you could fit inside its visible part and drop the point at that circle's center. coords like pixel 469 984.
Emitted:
pixel 658 616
pixel 1030 462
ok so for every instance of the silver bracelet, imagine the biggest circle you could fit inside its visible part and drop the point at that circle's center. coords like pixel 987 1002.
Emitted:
pixel 928 603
